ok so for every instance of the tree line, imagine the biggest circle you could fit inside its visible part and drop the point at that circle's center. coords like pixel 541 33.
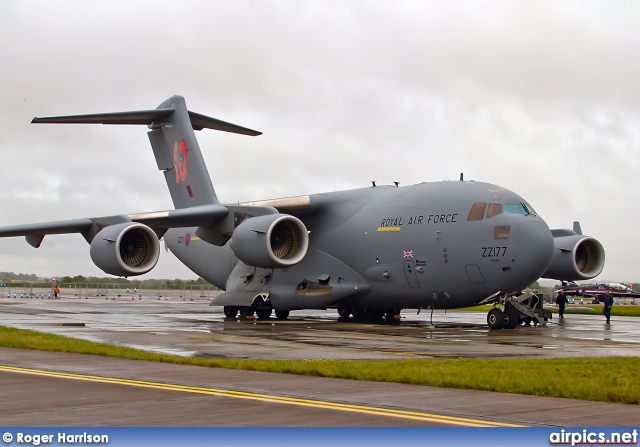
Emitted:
pixel 13 278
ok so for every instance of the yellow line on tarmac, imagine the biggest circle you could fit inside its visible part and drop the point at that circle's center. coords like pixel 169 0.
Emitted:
pixel 378 411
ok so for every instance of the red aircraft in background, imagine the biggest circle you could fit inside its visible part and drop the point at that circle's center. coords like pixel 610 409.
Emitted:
pixel 598 291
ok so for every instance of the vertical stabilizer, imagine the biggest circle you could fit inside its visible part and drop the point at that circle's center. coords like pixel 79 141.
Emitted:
pixel 178 155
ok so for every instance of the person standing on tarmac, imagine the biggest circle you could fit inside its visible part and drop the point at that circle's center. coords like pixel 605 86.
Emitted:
pixel 561 301
pixel 608 303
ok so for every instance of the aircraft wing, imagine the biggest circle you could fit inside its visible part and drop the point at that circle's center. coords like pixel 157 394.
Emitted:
pixel 34 233
pixel 203 216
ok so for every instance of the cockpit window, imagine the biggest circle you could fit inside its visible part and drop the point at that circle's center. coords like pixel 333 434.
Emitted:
pixel 516 209
pixel 477 211
pixel 522 208
pixel 494 210
pixel 529 208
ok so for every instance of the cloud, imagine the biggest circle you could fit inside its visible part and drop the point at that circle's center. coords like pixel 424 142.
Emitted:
pixel 540 97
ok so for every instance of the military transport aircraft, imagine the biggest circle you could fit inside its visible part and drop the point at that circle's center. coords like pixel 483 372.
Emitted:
pixel 370 252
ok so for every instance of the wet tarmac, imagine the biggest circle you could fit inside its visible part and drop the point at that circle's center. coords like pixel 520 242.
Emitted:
pixel 52 388
pixel 188 326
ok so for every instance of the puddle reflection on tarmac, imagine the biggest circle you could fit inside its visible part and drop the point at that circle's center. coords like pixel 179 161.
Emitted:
pixel 192 328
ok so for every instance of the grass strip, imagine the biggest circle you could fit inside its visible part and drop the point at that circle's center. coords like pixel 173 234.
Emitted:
pixel 610 379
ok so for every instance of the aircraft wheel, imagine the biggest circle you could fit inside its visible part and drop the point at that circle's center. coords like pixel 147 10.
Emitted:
pixel 230 311
pixel 264 312
pixel 282 314
pixel 392 316
pixel 511 317
pixel 368 316
pixel 495 318
pixel 246 311
pixel 344 313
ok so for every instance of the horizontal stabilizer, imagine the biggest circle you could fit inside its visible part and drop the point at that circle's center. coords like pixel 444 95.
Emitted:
pixel 152 118
pixel 147 117
pixel 199 122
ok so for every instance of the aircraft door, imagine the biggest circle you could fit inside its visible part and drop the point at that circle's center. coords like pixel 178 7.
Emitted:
pixel 410 273
pixel 474 274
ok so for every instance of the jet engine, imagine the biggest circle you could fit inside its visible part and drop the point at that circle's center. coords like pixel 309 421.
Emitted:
pixel 575 257
pixel 126 249
pixel 270 241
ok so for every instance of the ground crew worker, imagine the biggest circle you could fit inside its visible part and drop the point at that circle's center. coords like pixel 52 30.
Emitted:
pixel 561 301
pixel 608 303
pixel 56 291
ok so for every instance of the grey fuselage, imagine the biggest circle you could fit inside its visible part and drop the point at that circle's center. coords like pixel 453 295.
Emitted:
pixel 405 247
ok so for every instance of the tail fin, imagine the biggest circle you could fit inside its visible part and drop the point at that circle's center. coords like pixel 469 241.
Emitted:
pixel 174 145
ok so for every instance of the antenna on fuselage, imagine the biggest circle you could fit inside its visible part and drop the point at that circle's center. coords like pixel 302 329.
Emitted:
pixel 373 182
pixel 396 183
pixel 462 177
pixel 576 228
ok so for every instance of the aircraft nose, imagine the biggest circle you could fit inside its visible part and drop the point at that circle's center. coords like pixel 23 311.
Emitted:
pixel 534 251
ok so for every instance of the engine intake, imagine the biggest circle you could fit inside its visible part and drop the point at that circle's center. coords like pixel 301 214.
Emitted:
pixel 126 249
pixel 575 257
pixel 271 241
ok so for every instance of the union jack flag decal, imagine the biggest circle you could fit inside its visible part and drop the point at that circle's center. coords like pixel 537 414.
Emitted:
pixel 407 253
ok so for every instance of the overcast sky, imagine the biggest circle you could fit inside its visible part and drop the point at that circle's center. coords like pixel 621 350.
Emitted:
pixel 540 97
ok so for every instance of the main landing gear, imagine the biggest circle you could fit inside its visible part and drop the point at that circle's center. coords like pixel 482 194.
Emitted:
pixel 261 307
pixel 369 315
pixel 244 311
pixel 262 312
pixel 512 310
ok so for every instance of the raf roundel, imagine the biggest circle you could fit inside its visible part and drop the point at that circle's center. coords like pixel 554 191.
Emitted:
pixel 187 239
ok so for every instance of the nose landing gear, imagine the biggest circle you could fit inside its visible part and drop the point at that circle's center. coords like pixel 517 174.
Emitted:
pixel 514 309
pixel 495 318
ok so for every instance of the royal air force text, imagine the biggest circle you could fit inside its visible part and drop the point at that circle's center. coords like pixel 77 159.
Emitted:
pixel 420 220
pixel 487 252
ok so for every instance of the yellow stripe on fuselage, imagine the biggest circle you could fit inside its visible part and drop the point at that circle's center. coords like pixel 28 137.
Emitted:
pixel 389 228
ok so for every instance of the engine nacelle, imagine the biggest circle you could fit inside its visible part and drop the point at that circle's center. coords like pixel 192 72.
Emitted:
pixel 126 249
pixel 270 241
pixel 575 257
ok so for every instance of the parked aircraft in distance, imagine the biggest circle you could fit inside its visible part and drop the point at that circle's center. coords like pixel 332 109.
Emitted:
pixel 597 291
pixel 367 252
